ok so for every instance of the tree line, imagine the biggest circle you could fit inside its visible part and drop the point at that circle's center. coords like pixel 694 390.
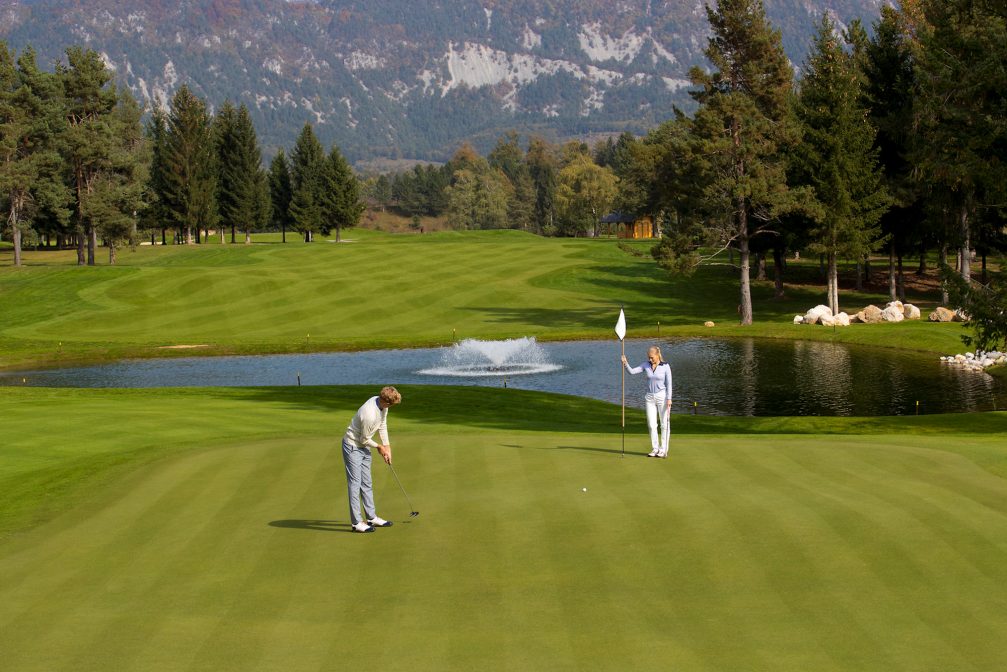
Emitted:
pixel 892 141
pixel 78 165
pixel 550 189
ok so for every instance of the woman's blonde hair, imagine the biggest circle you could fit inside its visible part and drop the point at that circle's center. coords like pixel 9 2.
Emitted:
pixel 390 395
pixel 656 349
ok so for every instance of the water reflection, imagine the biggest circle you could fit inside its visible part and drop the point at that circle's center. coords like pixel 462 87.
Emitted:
pixel 720 376
pixel 825 372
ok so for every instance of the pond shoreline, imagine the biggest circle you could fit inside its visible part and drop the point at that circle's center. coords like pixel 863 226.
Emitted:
pixel 713 375
pixel 59 356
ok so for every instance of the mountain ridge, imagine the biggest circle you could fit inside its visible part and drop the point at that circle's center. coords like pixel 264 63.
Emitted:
pixel 408 78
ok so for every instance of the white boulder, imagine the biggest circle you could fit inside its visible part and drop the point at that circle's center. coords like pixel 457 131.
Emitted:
pixel 911 312
pixel 827 321
pixel 893 312
pixel 815 315
pixel 870 314
pixel 842 319
pixel 798 319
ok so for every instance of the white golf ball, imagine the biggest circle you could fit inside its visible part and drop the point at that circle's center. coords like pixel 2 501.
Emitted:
pixel 583 489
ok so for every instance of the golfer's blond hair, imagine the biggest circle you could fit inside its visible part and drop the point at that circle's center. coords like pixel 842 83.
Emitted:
pixel 390 395
pixel 654 348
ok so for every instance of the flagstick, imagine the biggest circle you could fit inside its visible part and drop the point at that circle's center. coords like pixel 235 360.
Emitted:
pixel 623 368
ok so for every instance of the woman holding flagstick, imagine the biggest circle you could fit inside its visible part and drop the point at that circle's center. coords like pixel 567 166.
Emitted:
pixel 658 398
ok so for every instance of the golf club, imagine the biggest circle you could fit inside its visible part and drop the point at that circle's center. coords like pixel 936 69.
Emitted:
pixel 412 512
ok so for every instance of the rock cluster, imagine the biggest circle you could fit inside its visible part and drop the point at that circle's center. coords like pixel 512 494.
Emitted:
pixel 896 311
pixel 976 361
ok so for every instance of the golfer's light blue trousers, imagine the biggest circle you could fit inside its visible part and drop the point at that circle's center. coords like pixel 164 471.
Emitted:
pixel 358 481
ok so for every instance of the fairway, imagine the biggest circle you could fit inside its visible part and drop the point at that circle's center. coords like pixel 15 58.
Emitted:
pixel 384 290
pixel 225 547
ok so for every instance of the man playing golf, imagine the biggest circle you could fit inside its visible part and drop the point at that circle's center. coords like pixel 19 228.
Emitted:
pixel 357 443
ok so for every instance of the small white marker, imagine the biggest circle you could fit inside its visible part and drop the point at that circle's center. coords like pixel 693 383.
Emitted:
pixel 583 489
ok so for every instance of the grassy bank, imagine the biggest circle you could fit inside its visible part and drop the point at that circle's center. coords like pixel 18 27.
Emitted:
pixel 382 290
pixel 206 529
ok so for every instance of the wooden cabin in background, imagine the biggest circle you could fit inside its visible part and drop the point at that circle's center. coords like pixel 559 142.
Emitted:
pixel 631 226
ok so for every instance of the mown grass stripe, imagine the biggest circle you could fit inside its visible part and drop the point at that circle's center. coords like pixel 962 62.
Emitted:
pixel 213 532
pixel 86 567
pixel 903 551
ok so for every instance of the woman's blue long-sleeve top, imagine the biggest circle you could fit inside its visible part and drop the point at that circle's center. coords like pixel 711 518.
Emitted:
pixel 658 380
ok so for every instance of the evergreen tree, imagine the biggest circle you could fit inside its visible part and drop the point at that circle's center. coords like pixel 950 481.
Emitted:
pixel 31 122
pixel 836 157
pixel 743 128
pixel 90 103
pixel 262 206
pixel 382 192
pixel 190 169
pixel 961 77
pixel 280 193
pixel 156 214
pixel 239 159
pixel 508 157
pixel 888 92
pixel 478 196
pixel 341 195
pixel 307 167
pixel 117 197
pixel 542 167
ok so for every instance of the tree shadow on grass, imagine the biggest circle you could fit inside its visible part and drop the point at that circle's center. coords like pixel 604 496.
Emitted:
pixel 319 525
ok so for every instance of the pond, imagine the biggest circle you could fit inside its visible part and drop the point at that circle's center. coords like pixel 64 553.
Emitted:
pixel 747 377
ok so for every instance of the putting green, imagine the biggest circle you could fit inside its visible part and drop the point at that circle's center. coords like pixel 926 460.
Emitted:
pixel 225 547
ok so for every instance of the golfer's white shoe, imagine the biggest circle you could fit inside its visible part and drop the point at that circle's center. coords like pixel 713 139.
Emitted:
pixel 362 527
pixel 379 522
pixel 653 453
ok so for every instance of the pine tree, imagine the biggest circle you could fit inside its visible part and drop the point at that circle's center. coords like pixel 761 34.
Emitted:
pixel 888 93
pixel 961 76
pixel 239 159
pixel 156 214
pixel 341 206
pixel 743 128
pixel 190 170
pixel 542 167
pixel 118 195
pixel 307 166
pixel 90 103
pixel 262 211
pixel 280 192
pixel 508 157
pixel 836 157
pixel 31 124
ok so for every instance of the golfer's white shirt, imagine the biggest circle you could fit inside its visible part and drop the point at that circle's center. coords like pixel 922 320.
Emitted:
pixel 370 418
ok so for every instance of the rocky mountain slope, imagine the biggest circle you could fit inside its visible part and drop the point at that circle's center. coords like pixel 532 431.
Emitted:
pixel 408 78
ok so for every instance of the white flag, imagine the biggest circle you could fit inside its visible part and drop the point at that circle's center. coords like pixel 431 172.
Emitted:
pixel 620 326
